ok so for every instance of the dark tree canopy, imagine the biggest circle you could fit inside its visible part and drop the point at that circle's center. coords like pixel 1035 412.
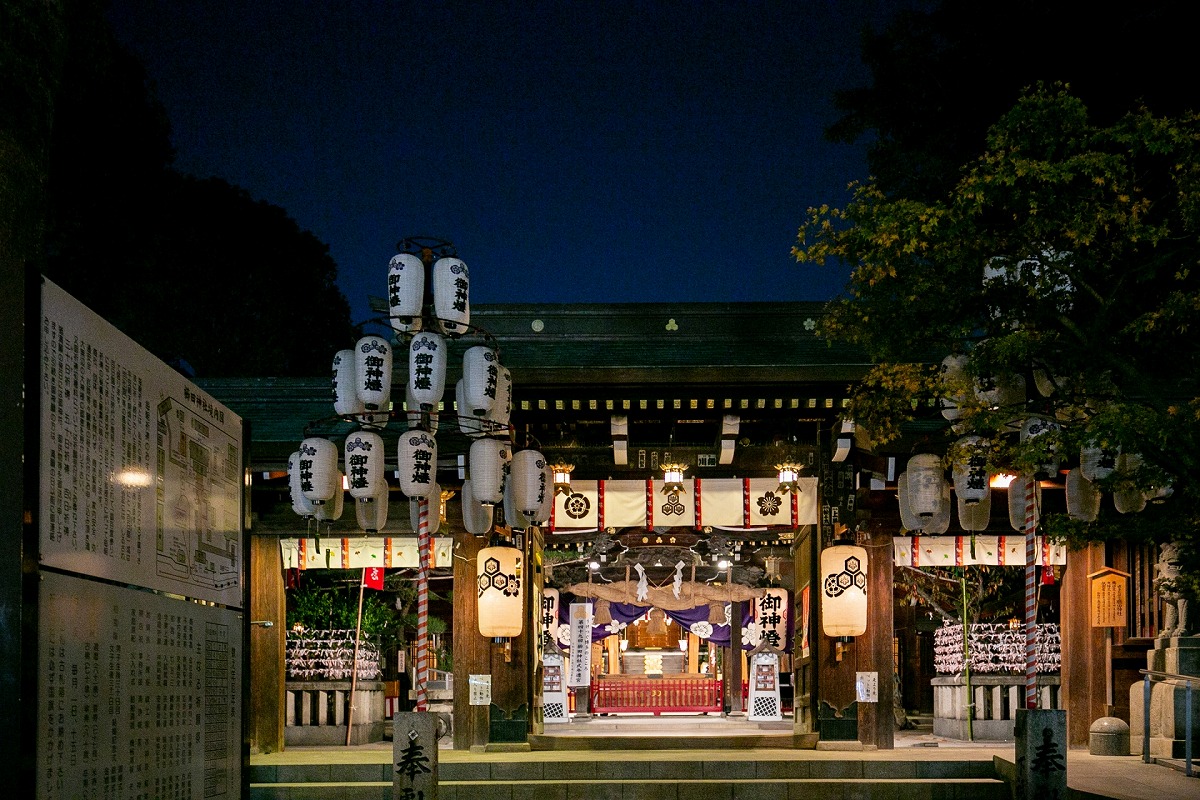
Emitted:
pixel 941 78
pixel 194 270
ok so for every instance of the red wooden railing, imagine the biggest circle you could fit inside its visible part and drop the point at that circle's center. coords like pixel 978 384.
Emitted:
pixel 656 695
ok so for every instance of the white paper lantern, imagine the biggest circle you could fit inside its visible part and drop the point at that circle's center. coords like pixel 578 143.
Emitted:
pixel 487 460
pixel 1017 501
pixel 372 516
pixel 406 291
pixel 1097 462
pixel 373 372
pixel 1035 427
pixel 939 521
pixel 542 515
pixel 345 394
pixel 477 518
pixel 331 511
pixel 908 518
pixel 481 379
pixel 364 460
pixel 513 517
pixel 954 370
pixel 300 504
pixel 497 416
pixel 975 516
pixel 1000 391
pixel 433 514
pixel 925 484
pixel 1083 498
pixel 471 426
pixel 970 469
pixel 844 590
pixel 528 476
pixel 1127 497
pixel 500 584
pixel 771 616
pixel 452 295
pixel 319 476
pixel 427 369
pixel 550 601
pixel 417 419
pixel 417 460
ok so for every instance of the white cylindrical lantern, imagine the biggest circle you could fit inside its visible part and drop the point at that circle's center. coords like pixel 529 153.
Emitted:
pixel 1097 462
pixel 498 415
pixel 844 590
pixel 469 424
pixel 771 615
pixel 513 516
pixel 331 511
pixel 481 379
pixel 1000 391
pixel 970 469
pixel 434 513
pixel 372 516
pixel 319 476
pixel 528 476
pixel 925 484
pixel 477 518
pixel 417 419
pixel 542 515
pixel 427 369
pixel 500 584
pixel 1127 497
pixel 417 460
pixel 908 519
pixel 406 291
pixel 345 394
pixel 1017 501
pixel 1034 428
pixel 1083 498
pixel 549 616
pixel 452 295
pixel 487 461
pixel 300 504
pixel 373 372
pixel 975 516
pixel 364 459
pixel 954 370
pixel 939 520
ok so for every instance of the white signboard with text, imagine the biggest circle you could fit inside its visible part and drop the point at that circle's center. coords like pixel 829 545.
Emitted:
pixel 580 672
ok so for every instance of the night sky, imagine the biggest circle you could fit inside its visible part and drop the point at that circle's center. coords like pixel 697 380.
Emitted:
pixel 573 152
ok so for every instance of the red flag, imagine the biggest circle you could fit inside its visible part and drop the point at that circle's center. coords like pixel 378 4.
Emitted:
pixel 372 577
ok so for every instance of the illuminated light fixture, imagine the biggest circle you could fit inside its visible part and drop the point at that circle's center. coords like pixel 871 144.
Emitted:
pixel 562 477
pixel 723 563
pixel 594 566
pixel 133 478
pixel 673 478
pixel 501 590
pixel 844 590
pixel 1001 480
pixel 789 477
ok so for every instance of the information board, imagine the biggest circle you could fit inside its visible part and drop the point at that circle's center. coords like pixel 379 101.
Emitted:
pixel 139 694
pixel 141 471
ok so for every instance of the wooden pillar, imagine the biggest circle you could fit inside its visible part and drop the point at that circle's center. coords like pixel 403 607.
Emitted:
pixel 268 674
pixel 876 721
pixel 472 652
pixel 693 654
pixel 734 670
pixel 1085 668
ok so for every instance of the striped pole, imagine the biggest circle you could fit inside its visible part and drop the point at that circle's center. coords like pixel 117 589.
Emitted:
pixel 422 603
pixel 1030 592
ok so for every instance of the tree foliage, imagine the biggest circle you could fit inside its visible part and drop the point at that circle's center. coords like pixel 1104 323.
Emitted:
pixel 1065 257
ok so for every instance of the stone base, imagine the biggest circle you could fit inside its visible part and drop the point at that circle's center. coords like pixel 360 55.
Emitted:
pixel 1109 736
pixel 1041 753
pixel 1168 699
pixel 848 746
pixel 332 735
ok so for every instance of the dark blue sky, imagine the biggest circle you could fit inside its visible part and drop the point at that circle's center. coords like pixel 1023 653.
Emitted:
pixel 573 152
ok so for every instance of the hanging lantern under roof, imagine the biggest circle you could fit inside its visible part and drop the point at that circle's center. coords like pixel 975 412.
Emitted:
pixel 452 295
pixel 487 461
pixel 373 372
pixel 844 590
pixel 528 476
pixel 427 369
pixel 975 516
pixel 417 419
pixel 319 476
pixel 562 477
pixel 477 518
pixel 300 504
pixel 1035 427
pixel 925 482
pixel 1128 498
pixel 417 460
pixel 939 521
pixel 364 459
pixel 513 516
pixel 542 514
pixel 481 377
pixel 1017 501
pixel 346 402
pixel 372 516
pixel 497 417
pixel 434 511
pixel 331 510
pixel 908 517
pixel 954 370
pixel 406 291
pixel 1083 498
pixel 970 469
pixel 673 478
pixel 789 477
pixel 1000 391
pixel 469 424
pixel 500 586
pixel 1097 462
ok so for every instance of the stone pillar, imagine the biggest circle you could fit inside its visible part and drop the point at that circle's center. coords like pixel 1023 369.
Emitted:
pixel 1168 699
pixel 1041 754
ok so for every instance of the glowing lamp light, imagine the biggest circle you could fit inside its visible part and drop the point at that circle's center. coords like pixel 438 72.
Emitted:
pixel 562 478
pixel 673 478
pixel 844 590
pixel 1001 480
pixel 501 590
pixel 789 477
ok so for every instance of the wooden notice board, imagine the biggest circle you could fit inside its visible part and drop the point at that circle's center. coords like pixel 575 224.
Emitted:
pixel 1108 591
